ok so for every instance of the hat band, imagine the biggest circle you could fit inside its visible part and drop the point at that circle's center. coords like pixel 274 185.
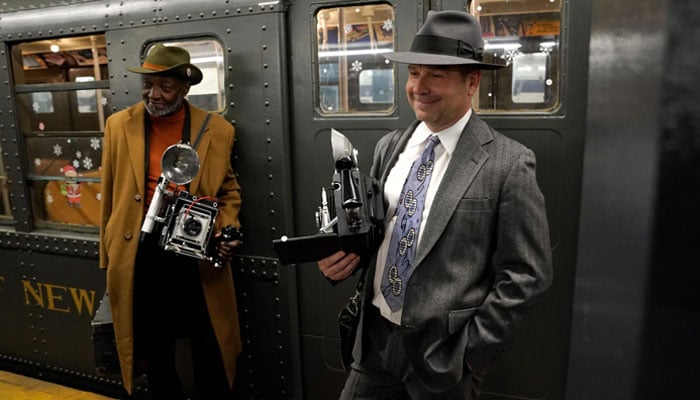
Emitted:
pixel 445 46
pixel 155 67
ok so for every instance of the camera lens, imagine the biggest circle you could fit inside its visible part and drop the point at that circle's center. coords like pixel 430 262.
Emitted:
pixel 192 226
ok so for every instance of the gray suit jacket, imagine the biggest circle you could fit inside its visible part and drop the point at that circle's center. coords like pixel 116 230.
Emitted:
pixel 483 260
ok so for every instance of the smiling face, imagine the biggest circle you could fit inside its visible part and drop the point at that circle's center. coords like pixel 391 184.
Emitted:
pixel 163 95
pixel 441 95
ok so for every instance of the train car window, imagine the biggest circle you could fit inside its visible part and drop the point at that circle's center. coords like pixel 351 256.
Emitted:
pixel 207 55
pixel 351 74
pixel 524 34
pixel 62 102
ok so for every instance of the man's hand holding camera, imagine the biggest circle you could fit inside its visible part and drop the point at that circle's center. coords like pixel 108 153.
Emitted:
pixel 226 248
pixel 339 266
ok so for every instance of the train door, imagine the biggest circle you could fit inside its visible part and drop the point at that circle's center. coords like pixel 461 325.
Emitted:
pixel 340 80
pixel 249 47
pixel 338 83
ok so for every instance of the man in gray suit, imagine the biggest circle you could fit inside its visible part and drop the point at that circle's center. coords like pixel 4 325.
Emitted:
pixel 466 251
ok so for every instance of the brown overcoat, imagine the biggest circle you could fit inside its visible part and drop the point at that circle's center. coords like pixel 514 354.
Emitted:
pixel 122 213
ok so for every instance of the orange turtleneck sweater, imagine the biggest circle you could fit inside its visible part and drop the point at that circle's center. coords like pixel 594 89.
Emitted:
pixel 165 131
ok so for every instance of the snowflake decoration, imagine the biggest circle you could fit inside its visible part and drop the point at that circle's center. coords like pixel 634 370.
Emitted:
pixel 36 107
pixel 99 196
pixel 57 150
pixel 348 28
pixel 509 55
pixel 49 199
pixel 95 143
pixel 78 154
pixel 388 25
pixel 37 161
pixel 356 66
pixel 76 164
pixel 103 101
pixel 87 163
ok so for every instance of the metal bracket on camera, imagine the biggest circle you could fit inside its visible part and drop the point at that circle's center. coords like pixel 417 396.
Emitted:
pixel 323 216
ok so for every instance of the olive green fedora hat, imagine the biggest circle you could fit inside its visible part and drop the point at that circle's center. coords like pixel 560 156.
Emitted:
pixel 446 38
pixel 169 61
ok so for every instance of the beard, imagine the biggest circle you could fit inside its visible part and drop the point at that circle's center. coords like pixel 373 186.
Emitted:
pixel 167 109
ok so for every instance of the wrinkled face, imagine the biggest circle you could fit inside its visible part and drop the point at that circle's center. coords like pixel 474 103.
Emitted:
pixel 440 95
pixel 163 95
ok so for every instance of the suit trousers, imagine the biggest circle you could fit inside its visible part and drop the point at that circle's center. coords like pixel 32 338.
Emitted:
pixel 169 306
pixel 386 374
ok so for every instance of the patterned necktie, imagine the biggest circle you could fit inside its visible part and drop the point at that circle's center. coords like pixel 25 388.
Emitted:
pixel 402 248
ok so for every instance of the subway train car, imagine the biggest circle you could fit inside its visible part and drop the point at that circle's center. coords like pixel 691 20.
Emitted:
pixel 604 92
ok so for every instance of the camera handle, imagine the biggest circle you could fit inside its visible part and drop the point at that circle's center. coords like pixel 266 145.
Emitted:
pixel 228 233
pixel 154 208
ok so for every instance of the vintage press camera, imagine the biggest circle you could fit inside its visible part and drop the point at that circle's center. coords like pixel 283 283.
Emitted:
pixel 185 222
pixel 351 215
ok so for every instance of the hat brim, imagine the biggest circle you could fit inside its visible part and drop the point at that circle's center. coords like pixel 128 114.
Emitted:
pixel 194 77
pixel 410 57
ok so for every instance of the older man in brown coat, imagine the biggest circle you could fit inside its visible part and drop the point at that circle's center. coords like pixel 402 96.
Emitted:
pixel 158 297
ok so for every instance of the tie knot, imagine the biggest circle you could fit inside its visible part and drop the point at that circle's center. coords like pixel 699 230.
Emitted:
pixel 433 141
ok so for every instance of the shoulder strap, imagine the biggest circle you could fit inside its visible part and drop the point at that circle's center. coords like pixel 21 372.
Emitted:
pixel 201 131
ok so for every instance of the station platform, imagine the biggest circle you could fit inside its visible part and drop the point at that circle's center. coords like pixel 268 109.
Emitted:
pixel 20 387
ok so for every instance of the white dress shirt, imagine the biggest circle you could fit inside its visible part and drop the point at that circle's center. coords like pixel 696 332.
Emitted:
pixel 394 185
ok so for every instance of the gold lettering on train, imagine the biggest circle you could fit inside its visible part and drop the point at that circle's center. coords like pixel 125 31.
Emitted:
pixel 53 297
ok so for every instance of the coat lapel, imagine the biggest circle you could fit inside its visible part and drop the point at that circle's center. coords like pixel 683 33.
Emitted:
pixel 135 134
pixel 202 146
pixel 467 160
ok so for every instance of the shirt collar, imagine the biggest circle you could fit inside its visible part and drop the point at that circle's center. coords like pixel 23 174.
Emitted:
pixel 448 137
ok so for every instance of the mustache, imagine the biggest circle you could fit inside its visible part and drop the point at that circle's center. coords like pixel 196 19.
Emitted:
pixel 168 109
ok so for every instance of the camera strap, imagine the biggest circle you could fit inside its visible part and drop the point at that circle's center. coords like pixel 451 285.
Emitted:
pixel 201 131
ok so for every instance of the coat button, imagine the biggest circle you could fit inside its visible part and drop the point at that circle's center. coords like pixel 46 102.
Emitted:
pixel 137 197
pixel 127 235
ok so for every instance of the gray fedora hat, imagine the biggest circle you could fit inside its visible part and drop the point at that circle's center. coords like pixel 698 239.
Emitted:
pixel 446 38
pixel 169 61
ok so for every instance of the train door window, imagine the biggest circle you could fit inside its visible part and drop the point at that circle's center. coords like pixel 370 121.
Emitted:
pixel 525 35
pixel 207 55
pixel 351 74
pixel 62 102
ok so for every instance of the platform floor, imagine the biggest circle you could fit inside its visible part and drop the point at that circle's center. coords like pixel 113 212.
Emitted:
pixel 19 387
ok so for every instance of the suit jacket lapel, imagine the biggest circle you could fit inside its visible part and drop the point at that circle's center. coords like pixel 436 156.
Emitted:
pixel 398 148
pixel 467 160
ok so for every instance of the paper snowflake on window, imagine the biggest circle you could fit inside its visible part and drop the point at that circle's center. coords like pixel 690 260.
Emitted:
pixel 388 25
pixel 95 143
pixel 356 66
pixel 87 163
pixel 49 199
pixel 78 154
pixel 76 163
pixel 57 150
